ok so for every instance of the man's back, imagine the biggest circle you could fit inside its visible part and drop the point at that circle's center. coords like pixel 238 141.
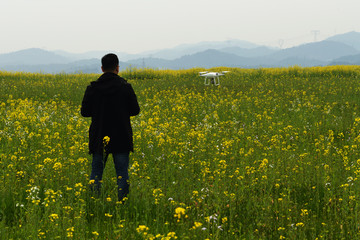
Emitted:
pixel 110 101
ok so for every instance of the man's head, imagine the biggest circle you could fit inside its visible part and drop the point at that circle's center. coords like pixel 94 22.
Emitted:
pixel 110 63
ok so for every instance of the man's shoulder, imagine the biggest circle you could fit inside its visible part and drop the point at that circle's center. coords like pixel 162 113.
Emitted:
pixel 122 79
pixel 114 82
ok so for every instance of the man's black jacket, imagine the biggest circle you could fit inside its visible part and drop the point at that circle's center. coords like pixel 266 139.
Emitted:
pixel 110 101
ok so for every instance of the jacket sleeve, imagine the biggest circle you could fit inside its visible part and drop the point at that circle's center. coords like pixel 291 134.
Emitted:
pixel 134 108
pixel 86 105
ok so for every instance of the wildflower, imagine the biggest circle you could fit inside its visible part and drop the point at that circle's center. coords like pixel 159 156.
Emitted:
pixel 179 211
pixel 142 228
pixel 19 205
pixel 212 218
pixel 106 140
pixel 68 208
pixel 57 166
pixel 300 224
pixel 47 160
pixel 171 235
pixel 41 234
pixel 69 232
pixel 304 212
pixel 197 225
pixel 157 193
pixel 122 201
pixel 53 217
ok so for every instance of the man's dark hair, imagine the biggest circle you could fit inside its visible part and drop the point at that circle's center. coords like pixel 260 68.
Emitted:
pixel 109 62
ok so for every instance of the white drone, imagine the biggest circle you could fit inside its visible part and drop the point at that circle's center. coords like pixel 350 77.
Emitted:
pixel 212 77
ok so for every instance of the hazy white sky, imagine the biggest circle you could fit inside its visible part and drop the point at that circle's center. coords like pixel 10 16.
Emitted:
pixel 139 25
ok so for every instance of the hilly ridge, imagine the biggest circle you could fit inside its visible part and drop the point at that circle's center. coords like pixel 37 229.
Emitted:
pixel 350 38
pixel 31 56
pixel 339 49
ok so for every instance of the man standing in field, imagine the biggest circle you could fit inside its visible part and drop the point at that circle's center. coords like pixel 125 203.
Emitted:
pixel 110 101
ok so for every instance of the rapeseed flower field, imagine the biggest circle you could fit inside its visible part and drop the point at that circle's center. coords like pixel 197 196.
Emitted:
pixel 269 154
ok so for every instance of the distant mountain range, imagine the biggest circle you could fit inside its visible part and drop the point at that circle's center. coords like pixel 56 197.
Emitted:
pixel 341 49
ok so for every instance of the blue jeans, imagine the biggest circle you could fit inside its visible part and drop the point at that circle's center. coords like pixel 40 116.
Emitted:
pixel 121 162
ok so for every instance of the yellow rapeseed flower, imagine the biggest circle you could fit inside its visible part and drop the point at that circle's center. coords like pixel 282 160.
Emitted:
pixel 142 228
pixel 57 166
pixel 53 217
pixel 179 211
pixel 197 225
pixel 106 140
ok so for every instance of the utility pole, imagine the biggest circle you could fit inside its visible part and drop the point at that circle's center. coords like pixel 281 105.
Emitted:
pixel 315 33
pixel 281 43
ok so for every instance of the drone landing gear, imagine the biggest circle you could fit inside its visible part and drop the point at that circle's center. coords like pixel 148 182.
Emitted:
pixel 215 81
